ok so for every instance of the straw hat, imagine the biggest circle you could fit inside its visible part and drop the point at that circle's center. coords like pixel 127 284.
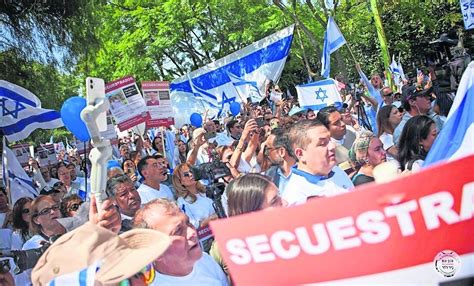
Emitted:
pixel 118 256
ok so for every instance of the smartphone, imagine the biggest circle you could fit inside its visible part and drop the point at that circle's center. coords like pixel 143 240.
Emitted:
pixel 95 88
pixel 260 121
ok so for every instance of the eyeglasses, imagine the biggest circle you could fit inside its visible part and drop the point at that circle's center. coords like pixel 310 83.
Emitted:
pixel 267 150
pixel 25 211
pixel 74 207
pixel 47 210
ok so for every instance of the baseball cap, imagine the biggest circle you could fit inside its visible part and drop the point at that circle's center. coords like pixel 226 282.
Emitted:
pixel 412 92
pixel 118 256
pixel 295 110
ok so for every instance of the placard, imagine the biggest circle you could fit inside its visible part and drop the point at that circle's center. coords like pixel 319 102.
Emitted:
pixel 46 154
pixel 418 229
pixel 467 10
pixel 158 101
pixel 126 103
pixel 22 153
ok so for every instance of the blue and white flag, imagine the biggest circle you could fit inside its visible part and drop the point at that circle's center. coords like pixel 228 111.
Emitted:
pixel 400 68
pixel 317 95
pixel 84 277
pixel 456 139
pixel 333 40
pixel 21 185
pixel 22 112
pixel 214 85
pixel 246 88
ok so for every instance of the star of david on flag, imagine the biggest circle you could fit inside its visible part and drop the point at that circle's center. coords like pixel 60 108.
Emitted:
pixel 317 95
pixel 235 77
pixel 21 112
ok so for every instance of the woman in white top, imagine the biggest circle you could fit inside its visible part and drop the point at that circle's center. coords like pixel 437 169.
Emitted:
pixel 192 198
pixel 416 140
pixel 388 119
pixel 43 225
pixel 21 222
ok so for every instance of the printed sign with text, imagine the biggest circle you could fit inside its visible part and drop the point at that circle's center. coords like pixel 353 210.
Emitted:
pixel 158 101
pixel 418 229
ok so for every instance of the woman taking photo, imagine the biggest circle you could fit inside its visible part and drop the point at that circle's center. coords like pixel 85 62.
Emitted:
pixel 366 153
pixel 21 222
pixel 192 198
pixel 388 119
pixel 416 140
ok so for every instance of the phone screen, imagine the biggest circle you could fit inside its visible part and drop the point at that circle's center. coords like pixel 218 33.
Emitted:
pixel 260 121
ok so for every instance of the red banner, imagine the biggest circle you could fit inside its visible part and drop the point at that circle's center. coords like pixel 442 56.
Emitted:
pixel 375 229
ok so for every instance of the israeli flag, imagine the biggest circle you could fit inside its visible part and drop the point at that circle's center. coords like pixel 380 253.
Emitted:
pixel 15 176
pixel 235 77
pixel 456 139
pixel 22 112
pixel 400 69
pixel 333 40
pixel 317 95
pixel 395 70
pixel 246 88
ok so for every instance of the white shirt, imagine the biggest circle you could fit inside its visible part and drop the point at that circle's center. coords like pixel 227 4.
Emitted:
pixel 206 272
pixel 387 141
pixel 249 167
pixel 148 193
pixel 303 185
pixel 199 210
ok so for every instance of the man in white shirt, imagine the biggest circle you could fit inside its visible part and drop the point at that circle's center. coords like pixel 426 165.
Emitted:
pixel 316 174
pixel 153 170
pixel 183 263
pixel 340 135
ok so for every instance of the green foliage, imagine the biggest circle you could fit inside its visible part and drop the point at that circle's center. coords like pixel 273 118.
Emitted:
pixel 165 39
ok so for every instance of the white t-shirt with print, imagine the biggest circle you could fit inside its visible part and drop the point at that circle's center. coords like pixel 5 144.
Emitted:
pixel 199 210
pixel 206 272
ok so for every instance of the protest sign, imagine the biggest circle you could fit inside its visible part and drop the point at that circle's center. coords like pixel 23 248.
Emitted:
pixel 417 229
pixel 467 10
pixel 22 153
pixel 109 133
pixel 126 103
pixel 46 154
pixel 158 101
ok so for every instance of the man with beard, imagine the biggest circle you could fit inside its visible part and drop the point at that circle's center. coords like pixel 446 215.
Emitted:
pixel 277 150
pixel 126 197
pixel 316 174
pixel 183 263
pixel 153 170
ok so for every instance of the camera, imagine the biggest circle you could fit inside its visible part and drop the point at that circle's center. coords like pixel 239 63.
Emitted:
pixel 212 171
pixel 358 92
pixel 25 259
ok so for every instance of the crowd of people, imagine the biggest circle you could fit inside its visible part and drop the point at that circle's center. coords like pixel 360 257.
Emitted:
pixel 276 155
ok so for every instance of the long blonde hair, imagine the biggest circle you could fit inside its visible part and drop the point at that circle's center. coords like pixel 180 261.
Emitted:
pixel 180 189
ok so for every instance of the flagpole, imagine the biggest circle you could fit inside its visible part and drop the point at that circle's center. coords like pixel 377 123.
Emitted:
pixel 85 169
pixel 382 40
pixel 7 179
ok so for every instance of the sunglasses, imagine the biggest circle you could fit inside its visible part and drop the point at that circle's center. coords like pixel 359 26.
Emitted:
pixel 187 174
pixel 390 94
pixel 47 210
pixel 25 211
